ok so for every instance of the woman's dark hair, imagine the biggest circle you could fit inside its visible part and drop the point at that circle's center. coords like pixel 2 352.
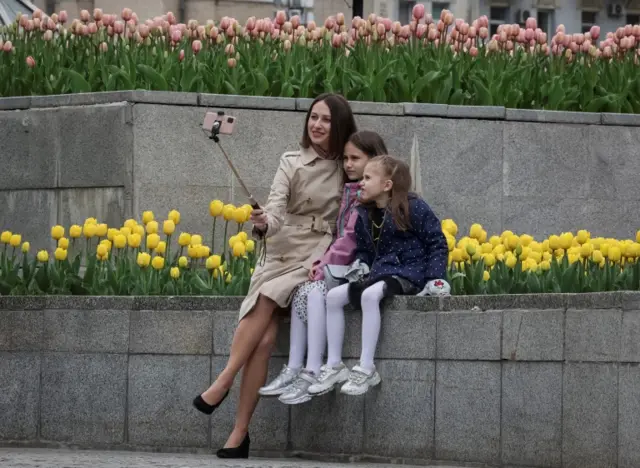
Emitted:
pixel 399 173
pixel 370 143
pixel 343 125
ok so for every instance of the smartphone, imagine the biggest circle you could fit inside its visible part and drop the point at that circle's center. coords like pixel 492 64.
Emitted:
pixel 224 123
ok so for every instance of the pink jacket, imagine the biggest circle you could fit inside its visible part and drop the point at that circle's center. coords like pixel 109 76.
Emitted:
pixel 342 250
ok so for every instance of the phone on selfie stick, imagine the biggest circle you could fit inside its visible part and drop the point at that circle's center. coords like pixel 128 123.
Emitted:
pixel 217 123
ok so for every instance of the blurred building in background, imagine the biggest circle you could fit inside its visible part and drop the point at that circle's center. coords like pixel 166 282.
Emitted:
pixel 576 15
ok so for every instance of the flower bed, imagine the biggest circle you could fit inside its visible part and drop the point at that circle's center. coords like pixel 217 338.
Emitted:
pixel 430 60
pixel 148 257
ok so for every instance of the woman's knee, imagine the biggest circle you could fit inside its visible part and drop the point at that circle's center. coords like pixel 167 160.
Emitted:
pixel 268 340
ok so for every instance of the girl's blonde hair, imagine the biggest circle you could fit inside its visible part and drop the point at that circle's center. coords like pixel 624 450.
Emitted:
pixel 399 173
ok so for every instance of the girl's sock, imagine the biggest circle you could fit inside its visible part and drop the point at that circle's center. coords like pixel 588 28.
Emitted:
pixel 371 319
pixel 337 298
pixel 316 330
pixel 298 341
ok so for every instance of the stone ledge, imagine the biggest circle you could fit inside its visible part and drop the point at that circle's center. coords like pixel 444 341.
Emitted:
pixel 548 116
pixel 165 97
pixel 426 110
pixel 625 300
pixel 476 112
pixel 247 102
pixel 80 99
pixel 627 120
pixel 15 103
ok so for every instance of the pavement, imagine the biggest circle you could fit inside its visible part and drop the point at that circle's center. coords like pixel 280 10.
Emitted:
pixel 57 458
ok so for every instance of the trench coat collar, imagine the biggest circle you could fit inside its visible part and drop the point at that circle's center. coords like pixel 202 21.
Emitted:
pixel 308 155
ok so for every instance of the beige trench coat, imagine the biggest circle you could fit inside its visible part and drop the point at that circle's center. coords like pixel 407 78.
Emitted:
pixel 301 211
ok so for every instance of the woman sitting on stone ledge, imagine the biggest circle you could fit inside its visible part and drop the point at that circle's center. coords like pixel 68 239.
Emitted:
pixel 298 221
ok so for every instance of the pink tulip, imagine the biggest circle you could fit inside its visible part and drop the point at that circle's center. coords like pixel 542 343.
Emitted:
pixel 542 38
pixel 181 55
pixel 464 29
pixel 421 30
pixel 63 16
pixel 143 29
pixel 196 46
pixel 30 26
pixel 531 23
pixel 7 47
pixel 84 16
pixel 118 27
pixel 336 40
pixel 127 13
pixel 281 17
pixel 229 49
pixel 418 11
pixel 595 32
pixel 428 19
pixel 92 28
pixel 104 47
pixel 51 25
pixel 484 32
pixel 473 51
pixel 396 27
pixel 472 32
pixel 97 14
pixel 48 35
pixel 340 19
pixel 287 45
pixel 387 24
pixel 231 63
pixel 628 30
pixel 31 63
pixel 176 35
pixel 432 35
pixel 529 33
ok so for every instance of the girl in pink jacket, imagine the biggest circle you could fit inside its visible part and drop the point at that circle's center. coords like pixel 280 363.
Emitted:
pixel 308 312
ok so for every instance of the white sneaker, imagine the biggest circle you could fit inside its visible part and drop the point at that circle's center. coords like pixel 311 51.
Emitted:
pixel 329 378
pixel 297 392
pixel 278 385
pixel 360 381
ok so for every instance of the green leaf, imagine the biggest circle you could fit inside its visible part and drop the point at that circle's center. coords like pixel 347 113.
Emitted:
pixel 482 93
pixel 155 79
pixel 77 83
pixel 427 80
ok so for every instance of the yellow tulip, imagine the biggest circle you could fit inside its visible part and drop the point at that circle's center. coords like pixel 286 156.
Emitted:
pixel 15 240
pixel 227 212
pixel 242 236
pixel 511 260
pixel 126 231
pixel 456 255
pixel 228 278
pixel 559 253
pixel 486 275
pixel 586 250
pixel 239 215
pixel 583 236
pixel 134 240
pixel 486 248
pixel 143 259
pixel 499 249
pixel 106 243
pixel 192 251
pixel 203 251
pixel 184 239
pixel 505 235
pixel 152 240
pixel 196 239
pixel 161 248
pixel 57 232
pixel 158 262
pixel 213 262
pixel 448 225
pixel 545 265
pixel 573 258
pixel 183 262
pixel 111 233
pixel 511 241
pixel 174 215
pixel 175 272
pixel 120 241
pixel 89 230
pixel 451 241
pixel 546 246
pixel 6 237
pixel 169 227
pixel 489 259
pixel 536 256
pixel 25 247
pixel 101 250
pixel 638 236
pixel 152 227
pixel 597 256
pixel 138 229
pixel 524 252
pixel 471 250
pixel 251 245
pixel 232 241
pixel 554 242
pixel 130 223
pixel 495 241
pixel 239 249
pixel 101 230
pixel 566 240
pixel 536 247
pixel 526 240
pixel 147 217
pixel 215 208
pixel 546 256
pixel 43 256
pixel 91 221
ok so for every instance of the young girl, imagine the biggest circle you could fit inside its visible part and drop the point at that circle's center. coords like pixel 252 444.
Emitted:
pixel 308 318
pixel 399 249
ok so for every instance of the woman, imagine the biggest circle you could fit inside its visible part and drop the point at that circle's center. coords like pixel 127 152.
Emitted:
pixel 298 221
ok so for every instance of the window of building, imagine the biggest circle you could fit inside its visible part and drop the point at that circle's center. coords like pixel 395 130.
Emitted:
pixel 588 20
pixel 436 9
pixel 497 16
pixel 633 18
pixel 546 21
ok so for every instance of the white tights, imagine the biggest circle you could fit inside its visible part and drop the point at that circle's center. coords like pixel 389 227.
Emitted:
pixel 337 298
pixel 310 337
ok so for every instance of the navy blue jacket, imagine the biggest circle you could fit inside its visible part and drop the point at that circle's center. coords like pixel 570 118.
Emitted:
pixel 418 254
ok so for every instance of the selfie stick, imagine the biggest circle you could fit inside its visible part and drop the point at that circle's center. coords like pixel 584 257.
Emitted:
pixel 215 130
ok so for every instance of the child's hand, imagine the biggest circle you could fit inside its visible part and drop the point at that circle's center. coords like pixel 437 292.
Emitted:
pixel 312 272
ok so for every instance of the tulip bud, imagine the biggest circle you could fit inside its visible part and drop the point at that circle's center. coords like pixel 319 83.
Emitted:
pixel 84 16
pixel 232 62
pixel 418 11
pixel 281 17
pixel 127 13
pixel 31 63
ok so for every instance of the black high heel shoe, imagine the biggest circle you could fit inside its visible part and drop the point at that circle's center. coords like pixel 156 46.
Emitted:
pixel 241 451
pixel 205 407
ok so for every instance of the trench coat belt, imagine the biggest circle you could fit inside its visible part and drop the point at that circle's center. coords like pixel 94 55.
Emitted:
pixel 314 222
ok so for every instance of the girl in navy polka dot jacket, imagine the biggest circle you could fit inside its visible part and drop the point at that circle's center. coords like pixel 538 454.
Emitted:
pixel 399 248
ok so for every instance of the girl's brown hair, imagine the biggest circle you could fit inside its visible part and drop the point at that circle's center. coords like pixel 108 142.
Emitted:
pixel 343 124
pixel 399 173
pixel 370 143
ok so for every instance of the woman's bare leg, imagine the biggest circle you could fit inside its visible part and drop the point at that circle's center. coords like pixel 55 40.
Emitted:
pixel 246 338
pixel 254 376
